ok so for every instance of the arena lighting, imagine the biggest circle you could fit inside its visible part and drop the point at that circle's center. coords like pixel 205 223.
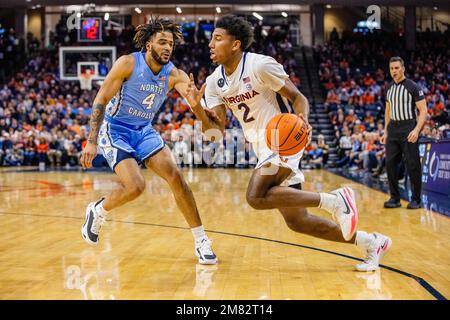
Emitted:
pixel 328 6
pixel 218 10
pixel 107 16
pixel 257 16
pixel 179 10
pixel 284 14
pixel 139 11
pixel 368 24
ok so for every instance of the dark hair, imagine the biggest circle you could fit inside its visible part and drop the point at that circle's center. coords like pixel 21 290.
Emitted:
pixel 144 32
pixel 239 28
pixel 395 59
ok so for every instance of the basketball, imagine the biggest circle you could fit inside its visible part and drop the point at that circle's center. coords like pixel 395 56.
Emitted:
pixel 286 134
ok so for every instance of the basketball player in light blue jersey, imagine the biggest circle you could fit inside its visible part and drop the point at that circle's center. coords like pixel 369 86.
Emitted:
pixel 120 126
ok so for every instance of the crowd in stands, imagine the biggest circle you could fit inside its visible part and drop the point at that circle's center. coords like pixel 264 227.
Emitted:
pixel 354 73
pixel 45 119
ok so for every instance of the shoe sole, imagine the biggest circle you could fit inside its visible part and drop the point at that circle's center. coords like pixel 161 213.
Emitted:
pixel 350 198
pixel 84 227
pixel 393 207
pixel 208 262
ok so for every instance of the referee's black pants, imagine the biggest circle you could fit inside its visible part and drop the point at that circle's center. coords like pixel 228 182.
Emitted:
pixel 399 149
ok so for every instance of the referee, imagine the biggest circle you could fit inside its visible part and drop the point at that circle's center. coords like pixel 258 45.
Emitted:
pixel 401 132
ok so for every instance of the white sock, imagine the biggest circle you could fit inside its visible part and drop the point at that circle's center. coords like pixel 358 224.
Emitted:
pixel 199 234
pixel 363 239
pixel 100 208
pixel 327 201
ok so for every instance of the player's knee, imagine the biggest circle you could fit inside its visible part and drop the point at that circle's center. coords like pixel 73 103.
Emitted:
pixel 135 190
pixel 255 202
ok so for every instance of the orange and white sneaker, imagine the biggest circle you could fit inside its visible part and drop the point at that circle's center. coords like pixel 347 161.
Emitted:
pixel 345 212
pixel 375 252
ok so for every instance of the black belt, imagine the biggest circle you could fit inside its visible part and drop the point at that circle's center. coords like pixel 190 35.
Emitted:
pixel 400 122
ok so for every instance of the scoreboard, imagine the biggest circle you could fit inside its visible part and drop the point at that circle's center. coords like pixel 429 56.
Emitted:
pixel 90 29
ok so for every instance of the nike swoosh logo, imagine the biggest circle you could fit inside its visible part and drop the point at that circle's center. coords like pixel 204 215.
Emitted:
pixel 200 254
pixel 348 209
pixel 91 235
pixel 384 245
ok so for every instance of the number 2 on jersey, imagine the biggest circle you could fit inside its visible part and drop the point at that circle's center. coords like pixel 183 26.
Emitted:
pixel 149 100
pixel 246 112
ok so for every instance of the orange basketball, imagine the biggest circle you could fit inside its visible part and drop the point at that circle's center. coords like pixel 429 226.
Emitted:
pixel 286 134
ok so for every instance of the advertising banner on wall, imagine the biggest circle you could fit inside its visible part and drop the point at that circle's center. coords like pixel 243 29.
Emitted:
pixel 436 166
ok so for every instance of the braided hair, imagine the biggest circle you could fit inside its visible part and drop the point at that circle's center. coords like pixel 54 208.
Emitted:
pixel 144 32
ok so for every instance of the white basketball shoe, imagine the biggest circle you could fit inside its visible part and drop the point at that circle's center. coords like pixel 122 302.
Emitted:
pixel 375 253
pixel 92 225
pixel 345 212
pixel 204 252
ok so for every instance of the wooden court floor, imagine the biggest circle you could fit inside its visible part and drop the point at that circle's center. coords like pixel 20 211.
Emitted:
pixel 147 252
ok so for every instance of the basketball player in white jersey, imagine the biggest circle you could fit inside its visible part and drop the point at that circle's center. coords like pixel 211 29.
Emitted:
pixel 256 88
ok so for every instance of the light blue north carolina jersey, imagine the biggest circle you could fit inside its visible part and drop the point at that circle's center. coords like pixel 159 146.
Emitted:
pixel 140 97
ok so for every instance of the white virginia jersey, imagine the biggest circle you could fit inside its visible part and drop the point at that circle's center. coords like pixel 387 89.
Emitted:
pixel 250 92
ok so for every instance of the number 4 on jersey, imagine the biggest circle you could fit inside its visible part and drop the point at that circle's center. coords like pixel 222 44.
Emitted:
pixel 149 100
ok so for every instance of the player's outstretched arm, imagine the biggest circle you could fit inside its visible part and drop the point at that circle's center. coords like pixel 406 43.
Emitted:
pixel 120 71
pixel 211 119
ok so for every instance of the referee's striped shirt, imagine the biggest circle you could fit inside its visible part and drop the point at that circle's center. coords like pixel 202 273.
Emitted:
pixel 402 98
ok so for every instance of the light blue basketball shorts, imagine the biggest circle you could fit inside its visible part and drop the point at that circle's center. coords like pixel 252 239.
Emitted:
pixel 119 141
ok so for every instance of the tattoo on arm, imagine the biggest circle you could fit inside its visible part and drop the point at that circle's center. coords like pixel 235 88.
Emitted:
pixel 98 112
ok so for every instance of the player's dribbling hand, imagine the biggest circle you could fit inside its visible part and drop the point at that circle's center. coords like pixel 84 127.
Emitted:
pixel 309 128
pixel 88 155
pixel 193 95
pixel 212 115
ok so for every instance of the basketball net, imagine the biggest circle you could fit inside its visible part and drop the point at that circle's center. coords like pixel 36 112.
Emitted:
pixel 86 80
